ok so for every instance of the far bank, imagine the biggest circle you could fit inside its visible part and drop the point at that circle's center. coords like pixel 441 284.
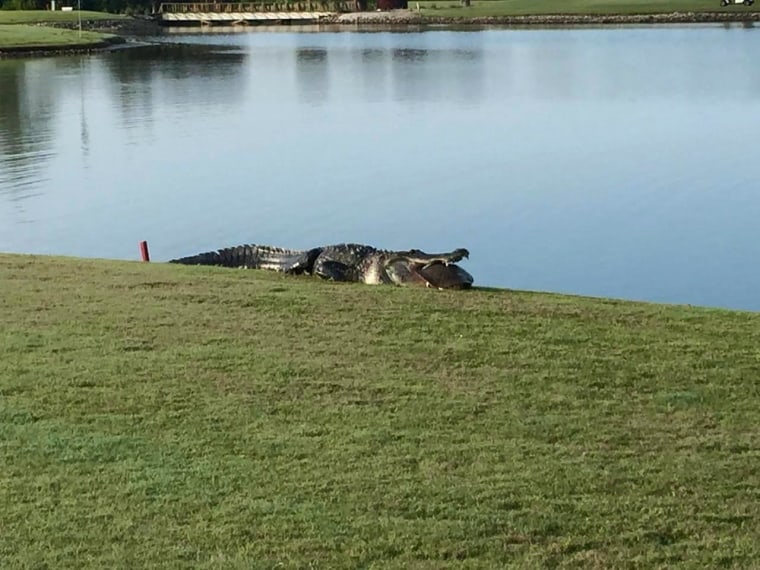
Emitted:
pixel 40 32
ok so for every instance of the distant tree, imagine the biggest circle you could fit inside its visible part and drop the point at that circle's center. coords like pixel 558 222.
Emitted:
pixel 23 4
pixel 119 6
pixel 112 6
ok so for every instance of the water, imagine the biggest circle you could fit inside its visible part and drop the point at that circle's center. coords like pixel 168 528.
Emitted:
pixel 598 161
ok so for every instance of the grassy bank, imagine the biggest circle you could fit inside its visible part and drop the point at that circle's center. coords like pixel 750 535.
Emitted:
pixel 57 17
pixel 162 416
pixel 496 8
pixel 22 36
pixel 26 29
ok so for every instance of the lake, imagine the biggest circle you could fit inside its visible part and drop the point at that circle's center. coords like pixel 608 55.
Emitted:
pixel 617 162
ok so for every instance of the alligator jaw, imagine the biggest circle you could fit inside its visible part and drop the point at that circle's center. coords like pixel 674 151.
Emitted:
pixel 420 257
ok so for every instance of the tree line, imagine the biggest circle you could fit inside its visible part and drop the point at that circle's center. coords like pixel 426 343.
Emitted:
pixel 112 6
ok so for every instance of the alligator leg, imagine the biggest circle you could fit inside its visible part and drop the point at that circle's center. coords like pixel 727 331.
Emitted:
pixel 401 272
pixel 335 270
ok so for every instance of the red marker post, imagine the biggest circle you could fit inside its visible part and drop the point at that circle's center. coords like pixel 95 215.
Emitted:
pixel 144 251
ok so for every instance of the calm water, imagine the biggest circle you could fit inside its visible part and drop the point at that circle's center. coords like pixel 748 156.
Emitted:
pixel 613 162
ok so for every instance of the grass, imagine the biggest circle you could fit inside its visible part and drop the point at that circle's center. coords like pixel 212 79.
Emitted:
pixel 23 36
pixel 485 8
pixel 46 16
pixel 22 29
pixel 166 416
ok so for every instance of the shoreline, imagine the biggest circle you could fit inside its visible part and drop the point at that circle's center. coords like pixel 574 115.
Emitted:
pixel 53 50
pixel 409 17
pixel 136 28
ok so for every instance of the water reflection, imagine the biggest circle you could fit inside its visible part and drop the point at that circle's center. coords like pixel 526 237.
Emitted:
pixel 407 55
pixel 312 74
pixel 211 75
pixel 417 75
pixel 372 67
pixel 673 65
pixel 27 109
pixel 84 129
pixel 129 81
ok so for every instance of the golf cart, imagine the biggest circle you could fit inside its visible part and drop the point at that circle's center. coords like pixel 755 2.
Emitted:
pixel 745 2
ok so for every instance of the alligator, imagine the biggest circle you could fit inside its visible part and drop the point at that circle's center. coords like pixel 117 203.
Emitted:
pixel 347 262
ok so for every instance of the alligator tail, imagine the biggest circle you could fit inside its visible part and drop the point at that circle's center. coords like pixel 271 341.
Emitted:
pixel 254 257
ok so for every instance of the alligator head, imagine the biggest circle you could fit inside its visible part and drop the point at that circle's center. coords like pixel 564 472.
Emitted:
pixel 438 270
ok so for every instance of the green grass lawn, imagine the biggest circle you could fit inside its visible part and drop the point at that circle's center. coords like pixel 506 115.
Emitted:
pixel 21 29
pixel 26 36
pixel 46 16
pixel 483 8
pixel 154 415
